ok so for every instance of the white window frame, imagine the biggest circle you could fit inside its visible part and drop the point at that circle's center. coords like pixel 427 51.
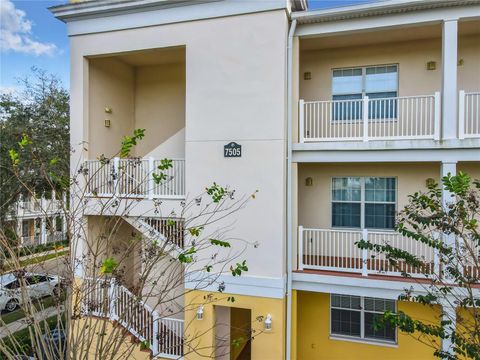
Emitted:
pixel 362 201
pixel 364 92
pixel 362 311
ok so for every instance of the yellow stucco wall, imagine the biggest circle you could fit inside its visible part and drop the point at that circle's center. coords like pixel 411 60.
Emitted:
pixel 314 343
pixel 265 345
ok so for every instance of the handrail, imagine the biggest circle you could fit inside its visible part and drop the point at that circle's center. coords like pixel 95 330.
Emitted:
pixel 108 299
pixel 367 119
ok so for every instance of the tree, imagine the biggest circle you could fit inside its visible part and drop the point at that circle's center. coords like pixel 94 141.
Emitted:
pixel 37 115
pixel 451 228
pixel 164 251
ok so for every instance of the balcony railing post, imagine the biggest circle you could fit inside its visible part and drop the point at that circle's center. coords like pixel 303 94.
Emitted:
pixel 156 332
pixel 300 248
pixel 365 118
pixel 301 116
pixel 151 183
pixel 461 114
pixel 364 254
pixel 111 300
pixel 116 172
pixel 437 116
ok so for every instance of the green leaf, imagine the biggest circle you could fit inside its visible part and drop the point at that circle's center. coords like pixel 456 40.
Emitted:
pixel 129 142
pixel 14 157
pixel 220 243
pixel 25 141
pixel 108 266
pixel 187 256
pixel 165 164
pixel 239 268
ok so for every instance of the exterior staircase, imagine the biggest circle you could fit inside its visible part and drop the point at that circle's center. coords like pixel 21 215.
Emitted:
pixel 168 233
pixel 107 299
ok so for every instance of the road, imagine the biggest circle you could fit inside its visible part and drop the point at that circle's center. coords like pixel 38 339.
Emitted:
pixel 56 266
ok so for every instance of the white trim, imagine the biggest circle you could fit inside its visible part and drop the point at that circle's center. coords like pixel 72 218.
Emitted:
pixel 362 312
pixel 313 27
pixel 345 285
pixel 78 23
pixel 242 285
pixel 387 155
pixel 363 341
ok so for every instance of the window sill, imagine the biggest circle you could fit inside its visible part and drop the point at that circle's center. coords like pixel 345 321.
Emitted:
pixel 363 341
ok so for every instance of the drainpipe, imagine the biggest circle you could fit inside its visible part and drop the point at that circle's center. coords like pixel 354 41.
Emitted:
pixel 289 185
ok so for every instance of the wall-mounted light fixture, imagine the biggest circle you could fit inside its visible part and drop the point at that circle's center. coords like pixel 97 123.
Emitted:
pixel 307 75
pixel 308 181
pixel 108 109
pixel 268 322
pixel 200 313
pixel 431 65
pixel 460 62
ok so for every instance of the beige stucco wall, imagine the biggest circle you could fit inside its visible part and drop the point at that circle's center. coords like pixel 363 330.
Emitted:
pixel 112 237
pixel 110 84
pixel 470 168
pixel 469 72
pixel 314 202
pixel 159 103
pixel 411 57
pixel 235 90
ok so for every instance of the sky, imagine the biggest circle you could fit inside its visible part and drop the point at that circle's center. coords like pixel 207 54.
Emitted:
pixel 31 37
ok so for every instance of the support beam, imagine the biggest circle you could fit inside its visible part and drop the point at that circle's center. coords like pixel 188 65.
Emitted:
pixel 448 314
pixel 43 230
pixel 449 78
pixel 445 169
pixel 19 229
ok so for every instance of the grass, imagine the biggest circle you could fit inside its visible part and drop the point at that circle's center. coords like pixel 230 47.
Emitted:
pixel 43 258
pixel 18 314
pixel 36 260
pixel 23 336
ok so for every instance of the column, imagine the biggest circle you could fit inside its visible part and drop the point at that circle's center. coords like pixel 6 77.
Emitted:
pixel 447 168
pixel 449 78
pixel 43 230
pixel 449 314
pixel 449 240
pixel 19 230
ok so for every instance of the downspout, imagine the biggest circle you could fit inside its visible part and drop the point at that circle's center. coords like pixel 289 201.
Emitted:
pixel 289 254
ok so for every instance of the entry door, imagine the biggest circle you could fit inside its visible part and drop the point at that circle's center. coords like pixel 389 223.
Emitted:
pixel 233 331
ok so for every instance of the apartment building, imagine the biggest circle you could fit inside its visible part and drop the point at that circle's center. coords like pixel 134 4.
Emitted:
pixel 36 221
pixel 335 115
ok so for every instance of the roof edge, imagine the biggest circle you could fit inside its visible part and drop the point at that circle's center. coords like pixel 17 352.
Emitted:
pixel 375 9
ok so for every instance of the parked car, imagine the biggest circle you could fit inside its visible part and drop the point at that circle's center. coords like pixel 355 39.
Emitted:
pixel 37 286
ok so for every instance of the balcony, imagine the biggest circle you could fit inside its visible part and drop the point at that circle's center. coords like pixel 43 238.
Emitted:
pixel 335 250
pixel 469 115
pixel 396 118
pixel 133 178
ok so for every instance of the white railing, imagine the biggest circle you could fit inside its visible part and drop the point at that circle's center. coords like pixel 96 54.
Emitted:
pixel 336 250
pixel 406 117
pixel 133 178
pixel 56 236
pixel 108 299
pixel 468 114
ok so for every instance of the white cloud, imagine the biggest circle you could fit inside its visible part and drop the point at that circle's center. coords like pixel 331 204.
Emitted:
pixel 8 90
pixel 16 32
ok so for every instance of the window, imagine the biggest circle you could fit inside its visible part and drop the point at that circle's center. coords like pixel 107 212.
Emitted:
pixel 364 202
pixel 379 83
pixel 355 316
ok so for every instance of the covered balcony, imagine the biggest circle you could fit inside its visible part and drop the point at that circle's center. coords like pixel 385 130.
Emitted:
pixel 128 91
pixel 341 204
pixel 390 84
